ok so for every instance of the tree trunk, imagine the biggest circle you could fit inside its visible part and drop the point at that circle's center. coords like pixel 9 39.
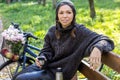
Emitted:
pixel 92 9
pixel 54 4
pixel 39 1
pixel 44 2
pixel 8 1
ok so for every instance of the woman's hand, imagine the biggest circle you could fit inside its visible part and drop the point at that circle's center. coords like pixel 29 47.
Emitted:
pixel 95 58
pixel 38 63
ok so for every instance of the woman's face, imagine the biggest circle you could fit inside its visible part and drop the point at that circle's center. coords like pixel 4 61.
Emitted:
pixel 65 15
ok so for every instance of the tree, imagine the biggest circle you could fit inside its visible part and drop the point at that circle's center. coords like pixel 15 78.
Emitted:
pixel 92 9
pixel 42 1
pixel 9 1
pixel 54 3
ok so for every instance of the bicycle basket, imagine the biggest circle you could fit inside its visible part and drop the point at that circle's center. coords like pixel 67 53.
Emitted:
pixel 10 51
pixel 13 39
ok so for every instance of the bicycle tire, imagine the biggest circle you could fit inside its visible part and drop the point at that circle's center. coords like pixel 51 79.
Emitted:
pixel 6 69
pixel 9 68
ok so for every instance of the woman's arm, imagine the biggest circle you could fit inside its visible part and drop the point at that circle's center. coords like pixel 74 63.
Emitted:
pixel 97 50
pixel 47 51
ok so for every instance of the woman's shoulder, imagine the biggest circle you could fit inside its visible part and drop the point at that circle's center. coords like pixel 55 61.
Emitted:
pixel 80 26
pixel 52 29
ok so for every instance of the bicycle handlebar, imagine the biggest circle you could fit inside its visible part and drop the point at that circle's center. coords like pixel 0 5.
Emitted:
pixel 16 25
pixel 26 34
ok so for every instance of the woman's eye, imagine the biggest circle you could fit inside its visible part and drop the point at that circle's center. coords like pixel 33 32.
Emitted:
pixel 60 12
pixel 69 12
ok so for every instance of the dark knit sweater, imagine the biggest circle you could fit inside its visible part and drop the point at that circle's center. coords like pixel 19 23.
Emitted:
pixel 67 52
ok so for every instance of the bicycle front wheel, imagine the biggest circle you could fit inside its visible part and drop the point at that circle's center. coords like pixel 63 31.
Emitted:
pixel 9 68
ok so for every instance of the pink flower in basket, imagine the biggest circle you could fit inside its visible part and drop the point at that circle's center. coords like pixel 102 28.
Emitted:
pixel 13 39
pixel 13 35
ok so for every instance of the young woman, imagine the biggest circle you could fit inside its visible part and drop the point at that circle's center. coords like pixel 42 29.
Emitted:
pixel 66 44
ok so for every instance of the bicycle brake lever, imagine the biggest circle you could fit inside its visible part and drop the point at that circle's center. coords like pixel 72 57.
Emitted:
pixel 16 25
pixel 30 35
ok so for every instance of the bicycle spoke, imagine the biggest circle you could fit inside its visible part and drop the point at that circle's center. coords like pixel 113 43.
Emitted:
pixel 7 71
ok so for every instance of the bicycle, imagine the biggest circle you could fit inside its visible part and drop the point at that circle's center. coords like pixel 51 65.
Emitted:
pixel 26 57
pixel 25 60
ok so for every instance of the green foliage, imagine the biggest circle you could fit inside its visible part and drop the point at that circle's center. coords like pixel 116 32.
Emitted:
pixel 113 75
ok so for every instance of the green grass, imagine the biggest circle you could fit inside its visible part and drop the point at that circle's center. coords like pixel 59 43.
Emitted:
pixel 37 19
pixel 31 17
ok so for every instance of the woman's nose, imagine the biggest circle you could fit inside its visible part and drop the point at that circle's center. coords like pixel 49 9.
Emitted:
pixel 64 15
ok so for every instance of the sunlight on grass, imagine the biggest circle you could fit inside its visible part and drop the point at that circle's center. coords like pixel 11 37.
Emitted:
pixel 36 19
pixel 30 3
pixel 116 0
pixel 40 33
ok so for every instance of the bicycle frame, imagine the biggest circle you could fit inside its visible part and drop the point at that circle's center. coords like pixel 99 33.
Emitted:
pixel 30 52
pixel 27 50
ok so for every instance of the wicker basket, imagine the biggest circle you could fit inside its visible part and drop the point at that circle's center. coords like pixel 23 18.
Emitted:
pixel 7 52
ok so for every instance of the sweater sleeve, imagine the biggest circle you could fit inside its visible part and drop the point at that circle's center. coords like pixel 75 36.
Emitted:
pixel 47 50
pixel 93 39
pixel 103 43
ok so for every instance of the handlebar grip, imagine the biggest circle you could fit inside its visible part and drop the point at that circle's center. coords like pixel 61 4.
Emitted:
pixel 15 25
pixel 34 37
pixel 28 34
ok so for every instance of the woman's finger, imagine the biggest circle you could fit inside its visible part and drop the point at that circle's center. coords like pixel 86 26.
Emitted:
pixel 38 63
